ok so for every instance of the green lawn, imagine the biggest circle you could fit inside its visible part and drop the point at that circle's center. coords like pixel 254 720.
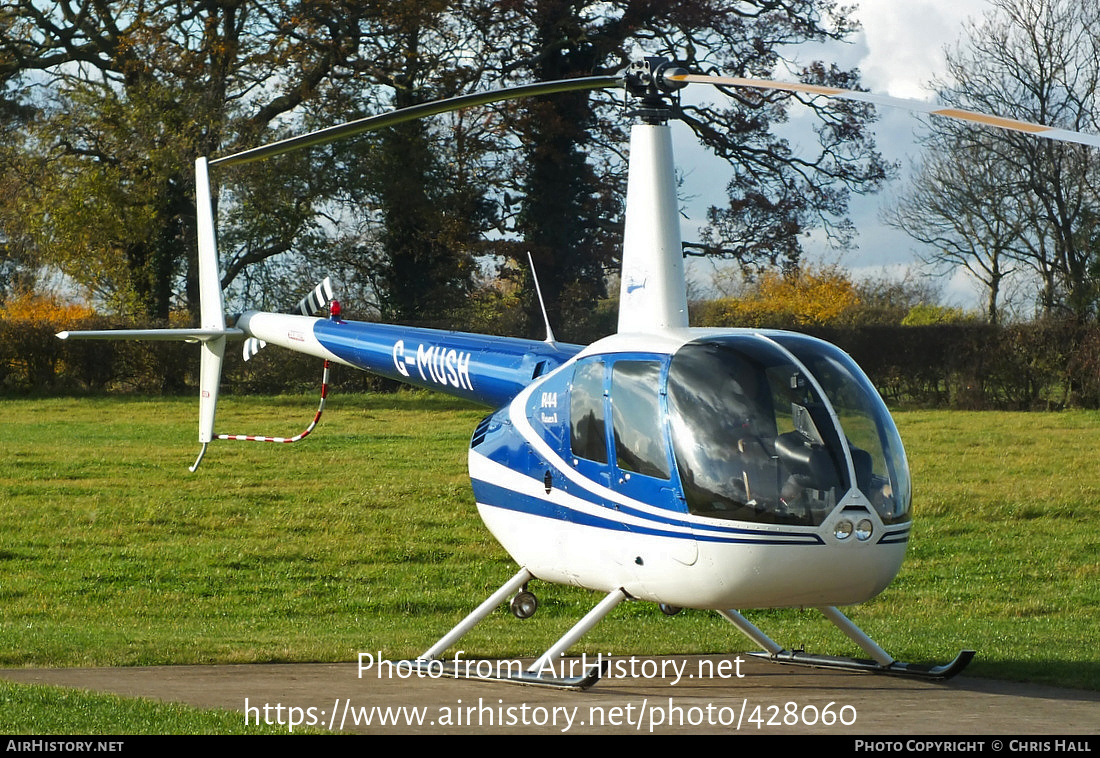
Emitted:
pixel 364 537
pixel 39 710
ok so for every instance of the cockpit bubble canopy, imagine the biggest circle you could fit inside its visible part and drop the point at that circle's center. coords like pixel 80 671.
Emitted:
pixel 778 428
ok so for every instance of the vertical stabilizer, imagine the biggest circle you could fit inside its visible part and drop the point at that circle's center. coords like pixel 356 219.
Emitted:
pixel 211 306
pixel 652 295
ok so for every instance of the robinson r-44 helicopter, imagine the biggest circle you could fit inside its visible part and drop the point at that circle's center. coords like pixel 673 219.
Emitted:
pixel 692 468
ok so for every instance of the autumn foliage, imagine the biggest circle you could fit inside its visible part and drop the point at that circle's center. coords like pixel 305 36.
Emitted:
pixel 49 311
pixel 799 298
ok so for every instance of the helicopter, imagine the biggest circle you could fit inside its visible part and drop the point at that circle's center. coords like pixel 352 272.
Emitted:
pixel 691 468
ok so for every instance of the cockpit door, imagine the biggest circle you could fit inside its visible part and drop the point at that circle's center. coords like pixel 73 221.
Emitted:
pixel 619 439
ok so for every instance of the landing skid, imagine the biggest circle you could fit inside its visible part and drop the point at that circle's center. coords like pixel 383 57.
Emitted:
pixel 430 663
pixel 896 668
pixel 881 662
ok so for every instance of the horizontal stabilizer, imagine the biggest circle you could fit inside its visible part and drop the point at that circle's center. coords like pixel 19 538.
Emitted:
pixel 166 335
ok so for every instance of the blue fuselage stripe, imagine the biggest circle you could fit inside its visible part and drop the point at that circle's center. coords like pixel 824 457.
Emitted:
pixel 501 497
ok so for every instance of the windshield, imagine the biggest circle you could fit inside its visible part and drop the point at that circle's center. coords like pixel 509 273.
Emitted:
pixel 753 441
pixel 882 471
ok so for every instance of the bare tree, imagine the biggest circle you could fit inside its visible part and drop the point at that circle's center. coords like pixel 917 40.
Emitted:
pixel 985 197
pixel 963 207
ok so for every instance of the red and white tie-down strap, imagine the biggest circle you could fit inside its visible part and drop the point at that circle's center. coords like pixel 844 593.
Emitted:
pixel 295 438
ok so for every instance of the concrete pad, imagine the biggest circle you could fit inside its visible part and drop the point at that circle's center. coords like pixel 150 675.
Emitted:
pixel 661 695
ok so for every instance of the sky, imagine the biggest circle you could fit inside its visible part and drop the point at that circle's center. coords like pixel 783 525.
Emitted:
pixel 901 50
pixel 898 52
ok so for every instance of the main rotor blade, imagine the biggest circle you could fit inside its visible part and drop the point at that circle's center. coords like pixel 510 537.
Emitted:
pixel 351 128
pixel 1039 130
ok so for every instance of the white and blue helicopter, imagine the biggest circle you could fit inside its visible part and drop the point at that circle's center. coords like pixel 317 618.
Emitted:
pixel 692 468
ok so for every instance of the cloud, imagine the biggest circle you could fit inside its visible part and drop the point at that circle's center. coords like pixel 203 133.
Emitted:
pixel 899 50
pixel 905 41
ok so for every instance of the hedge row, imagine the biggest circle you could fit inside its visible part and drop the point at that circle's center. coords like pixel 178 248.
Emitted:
pixel 34 361
pixel 1034 366
pixel 977 366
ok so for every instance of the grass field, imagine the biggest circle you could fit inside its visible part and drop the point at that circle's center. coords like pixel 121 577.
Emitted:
pixel 364 538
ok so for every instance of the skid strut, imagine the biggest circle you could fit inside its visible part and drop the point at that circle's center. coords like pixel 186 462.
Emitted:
pixel 430 663
pixel 881 662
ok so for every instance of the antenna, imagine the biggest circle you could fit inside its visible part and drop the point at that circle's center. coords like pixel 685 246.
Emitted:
pixel 542 305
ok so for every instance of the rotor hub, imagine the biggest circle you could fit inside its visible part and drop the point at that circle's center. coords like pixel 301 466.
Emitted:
pixel 647 79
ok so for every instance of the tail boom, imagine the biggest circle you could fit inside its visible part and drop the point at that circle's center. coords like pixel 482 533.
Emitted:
pixel 487 370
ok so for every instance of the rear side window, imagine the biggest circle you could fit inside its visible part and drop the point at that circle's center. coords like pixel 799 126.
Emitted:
pixel 587 423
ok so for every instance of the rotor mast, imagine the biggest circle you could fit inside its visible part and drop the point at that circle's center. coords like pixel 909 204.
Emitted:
pixel 652 292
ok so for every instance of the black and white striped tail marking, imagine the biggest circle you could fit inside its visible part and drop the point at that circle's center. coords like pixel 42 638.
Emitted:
pixel 310 305
pixel 253 346
pixel 317 300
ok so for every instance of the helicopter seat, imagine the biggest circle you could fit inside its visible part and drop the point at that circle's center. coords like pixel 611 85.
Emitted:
pixel 807 465
pixel 757 472
pixel 865 466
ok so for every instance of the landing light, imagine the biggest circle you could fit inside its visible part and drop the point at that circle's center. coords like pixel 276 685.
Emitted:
pixel 864 529
pixel 843 529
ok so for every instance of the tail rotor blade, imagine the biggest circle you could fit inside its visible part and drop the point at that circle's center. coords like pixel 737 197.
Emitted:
pixel 252 346
pixel 317 300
